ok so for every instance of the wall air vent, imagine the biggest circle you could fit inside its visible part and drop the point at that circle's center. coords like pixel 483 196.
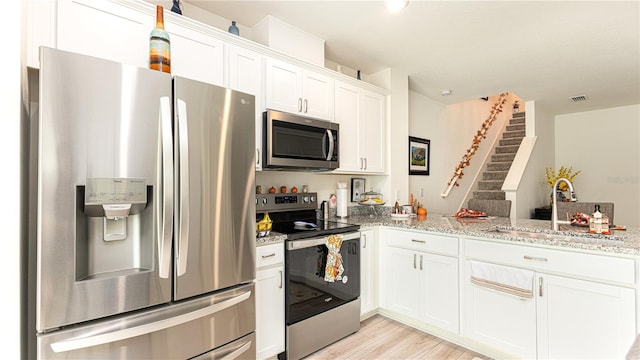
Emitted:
pixel 579 98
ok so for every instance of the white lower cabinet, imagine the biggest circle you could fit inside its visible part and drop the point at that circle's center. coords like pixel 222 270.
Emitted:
pixel 499 320
pixel 584 320
pixel 270 322
pixel 368 272
pixel 420 282
pixel 574 313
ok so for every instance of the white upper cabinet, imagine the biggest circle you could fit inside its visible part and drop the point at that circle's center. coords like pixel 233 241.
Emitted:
pixel 245 74
pixel 195 55
pixel 361 115
pixel 292 89
pixel 104 29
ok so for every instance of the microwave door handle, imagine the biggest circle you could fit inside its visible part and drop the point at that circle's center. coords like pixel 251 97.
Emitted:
pixel 331 144
pixel 183 206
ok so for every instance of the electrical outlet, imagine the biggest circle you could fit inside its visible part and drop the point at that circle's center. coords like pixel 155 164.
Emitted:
pixel 421 192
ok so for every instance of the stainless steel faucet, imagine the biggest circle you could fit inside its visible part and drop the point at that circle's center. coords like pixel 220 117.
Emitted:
pixel 554 209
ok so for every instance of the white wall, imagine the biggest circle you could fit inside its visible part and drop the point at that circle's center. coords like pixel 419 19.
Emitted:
pixel 451 129
pixel 605 145
pixel 533 191
pixel 10 110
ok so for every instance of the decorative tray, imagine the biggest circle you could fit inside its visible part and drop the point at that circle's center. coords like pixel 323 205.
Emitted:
pixel 371 202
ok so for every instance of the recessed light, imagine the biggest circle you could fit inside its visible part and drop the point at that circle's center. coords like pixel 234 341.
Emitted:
pixel 446 92
pixel 396 5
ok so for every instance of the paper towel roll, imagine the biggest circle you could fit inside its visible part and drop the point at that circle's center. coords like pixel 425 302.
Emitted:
pixel 342 197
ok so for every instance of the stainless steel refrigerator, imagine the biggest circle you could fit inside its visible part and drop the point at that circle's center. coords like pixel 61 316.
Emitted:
pixel 142 214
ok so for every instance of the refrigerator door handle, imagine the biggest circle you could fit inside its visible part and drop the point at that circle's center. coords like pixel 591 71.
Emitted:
pixel 166 211
pixel 113 336
pixel 237 352
pixel 183 218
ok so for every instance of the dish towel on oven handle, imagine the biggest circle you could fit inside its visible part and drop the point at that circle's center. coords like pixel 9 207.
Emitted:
pixel 509 280
pixel 334 269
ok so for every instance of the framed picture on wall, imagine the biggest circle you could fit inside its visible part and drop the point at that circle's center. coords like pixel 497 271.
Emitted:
pixel 419 152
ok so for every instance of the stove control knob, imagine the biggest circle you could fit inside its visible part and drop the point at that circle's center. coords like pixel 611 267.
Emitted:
pixel 265 201
pixel 313 199
pixel 305 199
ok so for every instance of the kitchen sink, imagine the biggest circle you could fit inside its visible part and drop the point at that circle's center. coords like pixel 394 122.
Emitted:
pixel 554 235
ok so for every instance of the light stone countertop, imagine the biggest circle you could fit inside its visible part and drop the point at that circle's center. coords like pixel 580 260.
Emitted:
pixel 620 243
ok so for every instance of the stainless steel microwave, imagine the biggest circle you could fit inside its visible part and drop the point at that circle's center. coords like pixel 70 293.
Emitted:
pixel 293 142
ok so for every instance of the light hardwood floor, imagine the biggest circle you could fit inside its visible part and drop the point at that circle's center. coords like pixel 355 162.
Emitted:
pixel 382 338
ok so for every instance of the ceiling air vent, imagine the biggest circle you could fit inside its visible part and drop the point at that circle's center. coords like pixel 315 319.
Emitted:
pixel 579 98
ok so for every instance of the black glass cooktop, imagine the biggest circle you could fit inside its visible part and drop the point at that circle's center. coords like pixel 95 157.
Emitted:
pixel 303 224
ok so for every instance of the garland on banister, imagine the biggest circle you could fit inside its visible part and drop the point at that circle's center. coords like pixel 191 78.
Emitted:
pixel 481 134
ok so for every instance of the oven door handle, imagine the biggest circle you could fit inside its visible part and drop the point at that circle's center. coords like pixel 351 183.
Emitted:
pixel 307 243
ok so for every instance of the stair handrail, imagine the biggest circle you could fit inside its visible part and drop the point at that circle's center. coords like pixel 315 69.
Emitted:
pixel 480 135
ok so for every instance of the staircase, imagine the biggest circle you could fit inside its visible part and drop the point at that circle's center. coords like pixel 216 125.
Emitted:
pixel 489 197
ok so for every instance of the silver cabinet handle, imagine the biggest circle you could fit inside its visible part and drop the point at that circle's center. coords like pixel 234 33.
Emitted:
pixel 281 281
pixel 533 258
pixel 306 106
pixel 166 213
pixel 183 217
pixel 419 241
pixel 257 156
pixel 540 286
pixel 117 335
pixel 414 261
pixel 420 262
pixel 365 163
pixel 268 256
pixel 361 164
pixel 364 243
pixel 299 104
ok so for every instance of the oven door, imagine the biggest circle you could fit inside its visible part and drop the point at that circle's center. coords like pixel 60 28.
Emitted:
pixel 308 293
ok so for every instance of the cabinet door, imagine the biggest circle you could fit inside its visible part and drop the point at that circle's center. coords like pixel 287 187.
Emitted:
pixel 581 319
pixel 439 298
pixel 402 279
pixel 500 320
pixel 195 55
pixel 104 29
pixel 270 324
pixel 372 131
pixel 347 116
pixel 317 95
pixel 283 86
pixel 368 275
pixel 245 74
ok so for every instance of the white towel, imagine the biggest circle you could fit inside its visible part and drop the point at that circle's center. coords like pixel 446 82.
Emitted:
pixel 514 281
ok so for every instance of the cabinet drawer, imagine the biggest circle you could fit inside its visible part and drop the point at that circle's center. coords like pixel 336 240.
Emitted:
pixel 420 241
pixel 592 266
pixel 267 255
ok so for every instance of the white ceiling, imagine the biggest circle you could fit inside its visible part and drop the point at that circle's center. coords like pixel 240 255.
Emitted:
pixel 546 51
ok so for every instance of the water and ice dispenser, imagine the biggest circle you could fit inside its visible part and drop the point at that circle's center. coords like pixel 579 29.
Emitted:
pixel 114 225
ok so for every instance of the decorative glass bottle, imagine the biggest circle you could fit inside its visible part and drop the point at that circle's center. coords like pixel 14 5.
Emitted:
pixel 595 222
pixel 233 29
pixel 159 45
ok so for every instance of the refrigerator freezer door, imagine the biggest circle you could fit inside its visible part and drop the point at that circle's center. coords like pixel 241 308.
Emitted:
pixel 100 120
pixel 215 177
pixel 179 331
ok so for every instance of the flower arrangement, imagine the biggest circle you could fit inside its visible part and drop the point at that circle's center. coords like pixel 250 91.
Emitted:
pixel 563 172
